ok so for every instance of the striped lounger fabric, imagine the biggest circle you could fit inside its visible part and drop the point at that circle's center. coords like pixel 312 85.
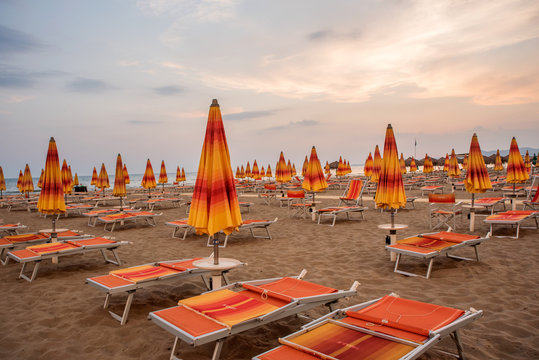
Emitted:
pixel 513 218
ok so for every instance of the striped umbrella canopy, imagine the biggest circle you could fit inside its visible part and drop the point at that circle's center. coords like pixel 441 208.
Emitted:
pixel 314 179
pixel 289 168
pixel 341 171
pixel 242 172
pixel 215 206
pixel 527 162
pixel 498 165
pixel 427 165
pixel 163 177
pixel 126 176
pixel 294 172
pixel 70 175
pixel 282 174
pixel 238 173
pixel 516 171
pixel 27 182
pixel 40 181
pixel 262 172
pixel 255 172
pixel 390 190
pixel 402 164
pixel 268 171
pixel 76 180
pixel 178 174
pixel 148 180
pixel 446 163
pixel 454 169
pixel 413 165
pixel 183 175
pixel 19 181
pixel 348 167
pixel 95 178
pixel 327 168
pixel 51 199
pixel 103 179
pixel 67 184
pixel 2 182
pixel 377 165
pixel 119 181
pixel 304 167
pixel 369 164
pixel 465 162
pixel 248 172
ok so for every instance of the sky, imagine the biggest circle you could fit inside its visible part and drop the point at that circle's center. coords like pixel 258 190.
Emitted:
pixel 137 77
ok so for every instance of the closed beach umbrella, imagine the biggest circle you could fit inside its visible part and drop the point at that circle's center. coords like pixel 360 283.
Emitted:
pixel 183 175
pixel 402 164
pixel 498 165
pixel 516 171
pixel 95 178
pixel 341 171
pixel 262 172
pixel 178 174
pixel 348 167
pixel 465 162
pixel 2 182
pixel 454 169
pixel 477 179
pixel 294 172
pixel 76 180
pixel 527 162
pixel 327 168
pixel 70 176
pixel 163 177
pixel 27 182
pixel 255 172
pixel 413 165
pixel 268 171
pixel 369 164
pixel 119 181
pixel 242 172
pixel 66 181
pixel 19 181
pixel 314 179
pixel 377 165
pixel 390 190
pixel 148 180
pixel 51 199
pixel 248 172
pixel 215 206
pixel 40 181
pixel 304 167
pixel 446 163
pixel 126 176
pixel 103 179
pixel 427 165
pixel 282 174
pixel 289 168
pixel 238 173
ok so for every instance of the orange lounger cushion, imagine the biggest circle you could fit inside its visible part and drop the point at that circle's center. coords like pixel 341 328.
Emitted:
pixel 51 247
pixel 247 222
pixel 430 187
pixel 427 243
pixel 288 353
pixel 189 321
pixel 9 225
pixel 413 248
pixel 290 288
pixel 178 222
pixel 488 201
pixel 93 241
pixel 451 236
pixel 519 212
pixel 228 307
pixel 25 237
pixel 24 254
pixel 98 212
pixel 181 265
pixel 143 213
pixel 112 281
pixel 144 272
pixel 506 217
pixel 407 315
pixel 117 217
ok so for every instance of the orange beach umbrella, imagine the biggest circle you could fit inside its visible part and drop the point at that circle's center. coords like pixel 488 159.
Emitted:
pixel 516 171
pixel 2 182
pixel 27 182
pixel 66 181
pixel 454 169
pixel 402 164
pixel 413 165
pixel 238 173
pixel 304 167
pixel 95 178
pixel 76 180
pixel 70 175
pixel 262 172
pixel 163 177
pixel 427 165
pixel 282 174
pixel 19 181
pixel 327 168
pixel 465 162
pixel 119 181
pixel 314 179
pixel 40 181
pixel 255 172
pixel 294 172
pixel 103 179
pixel 248 172
pixel 183 175
pixel 341 171
pixel 148 180
pixel 268 171
pixel 369 163
pixel 446 163
pixel 126 176
pixel 242 172
pixel 178 174
pixel 498 165
pixel 215 206
pixel 377 165
pixel 527 162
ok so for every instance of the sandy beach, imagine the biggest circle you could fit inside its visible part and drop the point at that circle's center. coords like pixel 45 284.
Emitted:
pixel 59 316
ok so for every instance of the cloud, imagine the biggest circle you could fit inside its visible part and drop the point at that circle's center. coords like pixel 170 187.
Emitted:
pixel 145 122
pixel 84 85
pixel 128 63
pixel 295 124
pixel 248 115
pixel 16 78
pixel 15 41
pixel 17 99
pixel 200 10
pixel 168 90
pixel 329 35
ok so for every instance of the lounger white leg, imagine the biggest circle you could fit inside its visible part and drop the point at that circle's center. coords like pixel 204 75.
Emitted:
pixel 334 219
pixel 107 301
pixel 429 268
pixel 174 347
pixel 3 259
pixel 34 272
pixel 217 350
pixel 107 259
pixel 206 282
pixel 123 318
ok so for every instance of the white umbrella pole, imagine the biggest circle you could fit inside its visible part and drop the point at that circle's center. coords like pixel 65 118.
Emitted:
pixel 54 237
pixel 472 214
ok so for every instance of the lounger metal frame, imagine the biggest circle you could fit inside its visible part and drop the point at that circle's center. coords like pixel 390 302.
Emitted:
pixel 178 227
pixel 344 210
pixel 251 226
pixel 518 224
pixel 296 306
pixel 150 220
pixel 13 230
pixel 435 253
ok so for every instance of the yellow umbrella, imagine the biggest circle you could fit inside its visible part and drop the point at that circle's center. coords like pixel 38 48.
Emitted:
pixel 477 179
pixel 262 172
pixel 70 175
pixel 446 163
pixel 268 171
pixel 413 165
pixel 314 179
pixel 126 176
pixel 178 174
pixel 348 167
pixel 454 170
pixel 66 182
pixel 369 163
pixel 40 181
pixel 163 177
pixel 377 165
pixel 327 169
pixel 51 199
pixel 294 172
pixel 148 180
pixel 95 178
pixel 238 173
pixel 465 162
pixel 215 206
pixel 103 179
pixel 183 175
pixel 27 182
pixel 341 171
pixel 498 165
pixel 527 162
pixel 76 180
pixel 282 174
pixel 242 172
pixel 2 183
pixel 19 181
pixel 248 173
pixel 427 165
pixel 304 167
pixel 402 164
pixel 119 181
pixel 255 173
pixel 516 171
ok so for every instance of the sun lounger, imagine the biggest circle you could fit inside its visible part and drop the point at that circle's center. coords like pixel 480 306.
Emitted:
pixel 269 193
pixel 162 202
pixel 532 203
pixel 354 193
pixel 429 246
pixel 489 203
pixel 338 210
pixel 516 191
pixel 76 209
pixel 125 218
pixel 11 229
pixel 386 328
pixel 250 225
pixel 94 214
pixel 513 218
pixel 179 225
pixel 218 314
pixel 12 242
pixel 37 253
pixel 21 204
pixel 128 281
pixel 431 189
pixel 245 205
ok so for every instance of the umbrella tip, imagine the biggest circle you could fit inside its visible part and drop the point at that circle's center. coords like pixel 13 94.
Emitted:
pixel 52 139
pixel 214 102
pixel 389 126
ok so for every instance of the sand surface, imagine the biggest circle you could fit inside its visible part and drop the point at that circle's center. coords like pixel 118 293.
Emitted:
pixel 58 316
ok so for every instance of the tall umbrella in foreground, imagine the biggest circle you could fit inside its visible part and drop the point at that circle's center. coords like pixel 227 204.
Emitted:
pixel 163 177
pixel 454 169
pixel 477 179
pixel 51 199
pixel 377 165
pixel 148 180
pixel 103 179
pixel 27 182
pixel 314 179
pixel 2 183
pixel 369 164
pixel 516 171
pixel 215 206
pixel 95 178
pixel 498 165
pixel 413 165
pixel 126 175
pixel 402 164
pixel 119 181
pixel 40 181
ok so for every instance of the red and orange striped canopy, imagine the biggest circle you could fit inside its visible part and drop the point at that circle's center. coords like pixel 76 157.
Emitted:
pixel 183 175
pixel 454 169
pixel 314 179
pixel 262 172
pixel 119 179
pixel 148 180
pixel 103 179
pixel 498 165
pixel 66 180
pixel 446 163
pixel 516 171
pixel 95 177
pixel 76 180
pixel 51 199
pixel 282 173
pixel 163 177
pixel 40 181
pixel 293 171
pixel 27 182
pixel 304 167
pixel 369 164
pixel 390 191
pixel 377 165
pixel 527 162
pixel 402 164
pixel 248 172
pixel 465 162
pixel 215 206
pixel 19 181
pixel 413 165
pixel 126 175
pixel 242 172
pixel 70 174
pixel 2 180
pixel 255 172
pixel 341 171
pixel 427 165
pixel 238 173
pixel 348 167
pixel 477 179
pixel 268 171
pixel 327 168
pixel 178 174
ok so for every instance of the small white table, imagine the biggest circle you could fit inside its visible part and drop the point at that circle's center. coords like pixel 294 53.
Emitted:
pixel 50 231
pixel 392 235
pixel 216 270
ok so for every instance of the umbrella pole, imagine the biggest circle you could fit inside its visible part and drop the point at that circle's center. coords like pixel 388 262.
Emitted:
pixel 215 239
pixel 513 199
pixel 121 204
pixel 54 237
pixel 392 218
pixel 472 214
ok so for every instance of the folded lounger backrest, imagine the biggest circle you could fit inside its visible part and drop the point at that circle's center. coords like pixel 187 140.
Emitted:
pixel 442 198
pixel 297 194
pixel 354 189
